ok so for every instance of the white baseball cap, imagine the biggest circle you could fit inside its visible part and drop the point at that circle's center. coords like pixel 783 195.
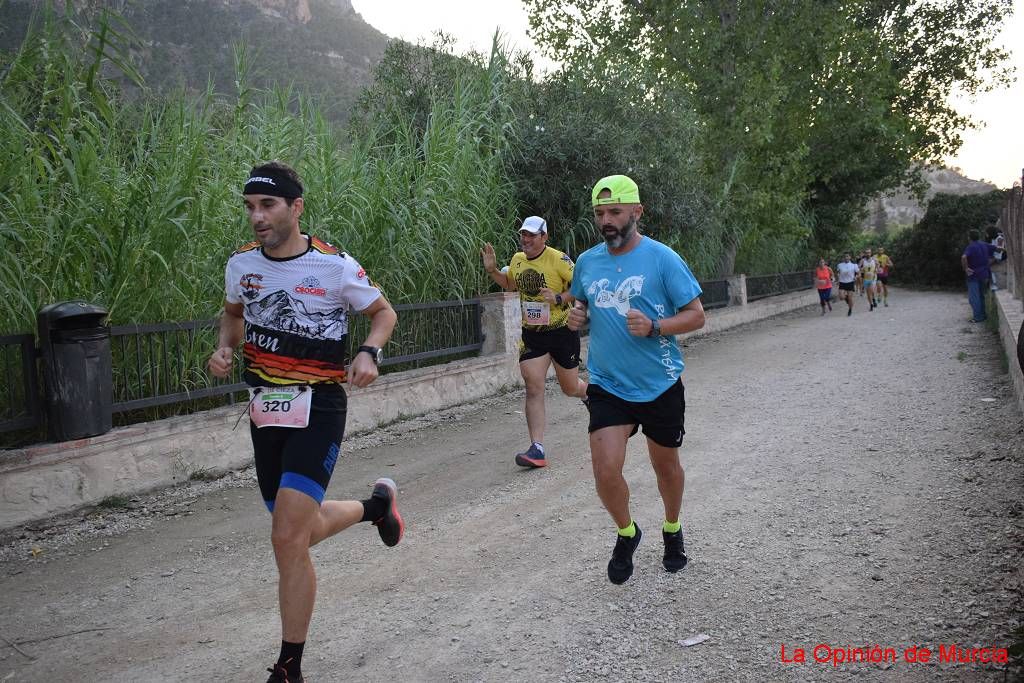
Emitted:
pixel 535 225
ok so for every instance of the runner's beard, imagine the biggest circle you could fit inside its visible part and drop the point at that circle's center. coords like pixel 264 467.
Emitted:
pixel 620 236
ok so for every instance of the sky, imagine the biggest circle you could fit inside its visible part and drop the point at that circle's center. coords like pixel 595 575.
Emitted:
pixel 995 152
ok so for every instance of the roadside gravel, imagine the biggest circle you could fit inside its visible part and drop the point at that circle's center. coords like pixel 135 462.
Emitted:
pixel 848 484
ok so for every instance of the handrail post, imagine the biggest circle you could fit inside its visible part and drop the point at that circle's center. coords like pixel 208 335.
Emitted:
pixel 738 290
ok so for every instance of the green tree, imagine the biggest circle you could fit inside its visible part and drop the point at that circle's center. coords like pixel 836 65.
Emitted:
pixel 807 108
pixel 929 254
pixel 571 132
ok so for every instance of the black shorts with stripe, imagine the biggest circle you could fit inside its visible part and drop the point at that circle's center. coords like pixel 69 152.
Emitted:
pixel 301 459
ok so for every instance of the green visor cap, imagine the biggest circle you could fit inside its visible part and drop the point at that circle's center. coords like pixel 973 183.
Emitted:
pixel 623 191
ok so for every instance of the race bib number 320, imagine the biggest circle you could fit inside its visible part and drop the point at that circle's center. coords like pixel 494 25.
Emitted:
pixel 280 406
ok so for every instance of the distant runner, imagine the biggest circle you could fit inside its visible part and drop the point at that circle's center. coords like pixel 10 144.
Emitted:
pixel 885 266
pixel 868 273
pixel 847 276
pixel 823 277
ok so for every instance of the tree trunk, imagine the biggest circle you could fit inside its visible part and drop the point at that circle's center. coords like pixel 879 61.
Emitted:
pixel 727 262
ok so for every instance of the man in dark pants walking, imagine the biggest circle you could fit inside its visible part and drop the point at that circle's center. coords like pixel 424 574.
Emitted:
pixel 975 261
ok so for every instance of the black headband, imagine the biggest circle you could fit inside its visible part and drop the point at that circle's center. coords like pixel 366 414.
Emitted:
pixel 272 182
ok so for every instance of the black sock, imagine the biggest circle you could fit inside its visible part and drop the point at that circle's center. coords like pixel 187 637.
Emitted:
pixel 374 508
pixel 291 658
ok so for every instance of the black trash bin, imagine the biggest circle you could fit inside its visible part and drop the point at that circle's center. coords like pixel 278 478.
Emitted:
pixel 75 347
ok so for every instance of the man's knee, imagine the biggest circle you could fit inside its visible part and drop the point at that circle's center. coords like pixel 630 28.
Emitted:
pixel 290 540
pixel 570 386
pixel 667 467
pixel 534 389
pixel 608 452
pixel 295 515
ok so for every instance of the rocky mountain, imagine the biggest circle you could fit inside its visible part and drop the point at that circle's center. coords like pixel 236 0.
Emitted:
pixel 322 47
pixel 903 209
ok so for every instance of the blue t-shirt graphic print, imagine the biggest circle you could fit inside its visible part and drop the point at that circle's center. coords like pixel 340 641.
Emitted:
pixel 652 279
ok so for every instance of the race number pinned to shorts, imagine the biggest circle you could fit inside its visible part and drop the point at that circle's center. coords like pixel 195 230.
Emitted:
pixel 280 406
pixel 536 313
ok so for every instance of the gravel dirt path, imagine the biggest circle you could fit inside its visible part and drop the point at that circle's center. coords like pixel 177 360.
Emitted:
pixel 849 483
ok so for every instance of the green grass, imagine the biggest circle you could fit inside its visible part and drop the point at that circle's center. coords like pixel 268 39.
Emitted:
pixel 203 474
pixel 114 503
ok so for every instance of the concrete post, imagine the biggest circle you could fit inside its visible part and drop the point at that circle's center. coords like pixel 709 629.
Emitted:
pixel 502 323
pixel 738 290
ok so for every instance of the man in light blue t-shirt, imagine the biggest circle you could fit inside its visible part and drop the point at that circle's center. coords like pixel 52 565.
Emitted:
pixel 638 294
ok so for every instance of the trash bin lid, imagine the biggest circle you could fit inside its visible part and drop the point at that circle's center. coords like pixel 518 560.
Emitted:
pixel 70 314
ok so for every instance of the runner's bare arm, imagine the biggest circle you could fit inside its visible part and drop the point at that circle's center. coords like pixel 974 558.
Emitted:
pixel 491 266
pixel 690 317
pixel 382 323
pixel 556 298
pixel 577 316
pixel 232 327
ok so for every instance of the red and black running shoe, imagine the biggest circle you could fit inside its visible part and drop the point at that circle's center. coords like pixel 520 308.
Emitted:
pixel 390 526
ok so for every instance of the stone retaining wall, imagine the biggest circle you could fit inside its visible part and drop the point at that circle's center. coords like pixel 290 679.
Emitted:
pixel 1011 316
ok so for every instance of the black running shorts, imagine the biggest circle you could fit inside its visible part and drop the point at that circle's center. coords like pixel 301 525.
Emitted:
pixel 846 286
pixel 301 459
pixel 562 343
pixel 662 419
pixel 884 279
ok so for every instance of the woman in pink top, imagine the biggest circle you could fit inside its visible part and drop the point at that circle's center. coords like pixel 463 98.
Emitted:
pixel 823 277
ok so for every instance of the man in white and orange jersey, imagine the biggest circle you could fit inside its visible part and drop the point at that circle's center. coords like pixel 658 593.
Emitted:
pixel 289 296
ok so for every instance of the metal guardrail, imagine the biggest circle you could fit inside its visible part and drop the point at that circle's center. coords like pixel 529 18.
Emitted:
pixel 161 364
pixel 716 294
pixel 20 403
pixel 165 363
pixel 761 286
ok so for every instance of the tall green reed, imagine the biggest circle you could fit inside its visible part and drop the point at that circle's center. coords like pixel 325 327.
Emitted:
pixel 133 202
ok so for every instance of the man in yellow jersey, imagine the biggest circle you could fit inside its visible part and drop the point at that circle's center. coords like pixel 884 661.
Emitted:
pixel 885 266
pixel 289 297
pixel 542 275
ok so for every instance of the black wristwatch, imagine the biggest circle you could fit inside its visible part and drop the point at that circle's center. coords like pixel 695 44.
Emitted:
pixel 655 328
pixel 558 299
pixel 375 353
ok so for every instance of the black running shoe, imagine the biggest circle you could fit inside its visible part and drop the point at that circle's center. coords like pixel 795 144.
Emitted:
pixel 675 553
pixel 620 567
pixel 390 526
pixel 278 674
